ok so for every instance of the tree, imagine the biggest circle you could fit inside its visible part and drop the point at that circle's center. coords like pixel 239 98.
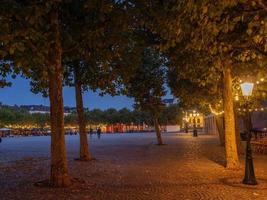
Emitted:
pixel 171 115
pixel 41 120
pixel 125 116
pixel 225 37
pixel 96 116
pixel 226 33
pixel 111 116
pixel 141 117
pixel 36 38
pixel 32 40
pixel 75 74
pixel 4 71
pixel 146 86
pixel 95 62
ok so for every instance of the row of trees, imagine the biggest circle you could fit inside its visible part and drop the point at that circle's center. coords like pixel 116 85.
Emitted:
pixel 132 47
pixel 210 45
pixel 75 41
pixel 21 117
pixel 170 115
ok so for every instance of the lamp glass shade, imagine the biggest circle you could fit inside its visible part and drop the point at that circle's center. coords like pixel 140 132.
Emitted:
pixel 247 89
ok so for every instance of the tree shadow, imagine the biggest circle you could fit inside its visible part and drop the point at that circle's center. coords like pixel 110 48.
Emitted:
pixel 217 155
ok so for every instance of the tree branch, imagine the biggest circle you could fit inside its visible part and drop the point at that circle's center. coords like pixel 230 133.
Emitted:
pixel 263 5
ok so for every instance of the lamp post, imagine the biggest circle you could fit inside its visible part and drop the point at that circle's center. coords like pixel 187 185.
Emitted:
pixel 249 178
pixel 195 127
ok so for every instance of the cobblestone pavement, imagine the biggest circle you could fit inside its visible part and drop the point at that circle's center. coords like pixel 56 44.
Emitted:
pixel 129 167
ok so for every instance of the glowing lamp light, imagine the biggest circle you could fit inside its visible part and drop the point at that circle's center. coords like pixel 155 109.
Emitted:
pixel 247 89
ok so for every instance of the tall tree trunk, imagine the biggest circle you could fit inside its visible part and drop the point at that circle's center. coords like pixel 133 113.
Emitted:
pixel 85 155
pixel 219 120
pixel 158 132
pixel 59 176
pixel 232 161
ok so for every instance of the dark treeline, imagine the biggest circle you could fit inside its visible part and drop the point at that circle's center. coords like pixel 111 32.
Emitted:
pixel 21 117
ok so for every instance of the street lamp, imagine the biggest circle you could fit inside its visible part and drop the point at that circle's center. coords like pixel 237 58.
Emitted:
pixel 247 89
pixel 195 127
pixel 249 179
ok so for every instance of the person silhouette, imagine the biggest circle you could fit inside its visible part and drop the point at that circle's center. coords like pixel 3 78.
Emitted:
pixel 91 132
pixel 99 133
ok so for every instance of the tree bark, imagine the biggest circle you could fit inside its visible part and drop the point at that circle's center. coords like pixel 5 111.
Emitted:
pixel 158 132
pixel 59 176
pixel 220 127
pixel 85 154
pixel 232 160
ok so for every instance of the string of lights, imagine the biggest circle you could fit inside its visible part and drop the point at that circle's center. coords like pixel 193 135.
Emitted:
pixel 236 98
pixel 239 109
pixel 214 111
pixel 257 82
pixel 255 109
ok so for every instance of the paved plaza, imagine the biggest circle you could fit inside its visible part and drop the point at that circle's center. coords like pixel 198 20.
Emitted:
pixel 129 167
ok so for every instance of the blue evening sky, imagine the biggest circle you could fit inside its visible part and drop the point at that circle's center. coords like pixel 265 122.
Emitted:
pixel 19 93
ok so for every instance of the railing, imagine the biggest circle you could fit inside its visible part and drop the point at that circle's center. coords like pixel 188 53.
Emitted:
pixel 259 141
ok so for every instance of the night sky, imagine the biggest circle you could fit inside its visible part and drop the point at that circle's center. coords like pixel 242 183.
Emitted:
pixel 20 94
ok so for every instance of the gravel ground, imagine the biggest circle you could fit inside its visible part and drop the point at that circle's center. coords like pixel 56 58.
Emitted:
pixel 129 167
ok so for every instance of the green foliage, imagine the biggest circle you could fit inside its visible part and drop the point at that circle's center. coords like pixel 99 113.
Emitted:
pixel 109 116
pixel 20 117
pixel 71 119
pixel 146 84
pixel 17 116
pixel 113 116
pixel 95 116
pixel 41 120
pixel 171 115
pixel 201 38
pixel 93 45
pixel 4 71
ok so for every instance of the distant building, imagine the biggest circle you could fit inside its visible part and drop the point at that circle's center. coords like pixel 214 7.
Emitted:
pixel 189 119
pixel 258 119
pixel 46 109
pixel 36 109
pixel 40 109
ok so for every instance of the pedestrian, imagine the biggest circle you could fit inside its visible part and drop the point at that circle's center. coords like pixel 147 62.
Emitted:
pixel 0 139
pixel 91 132
pixel 98 133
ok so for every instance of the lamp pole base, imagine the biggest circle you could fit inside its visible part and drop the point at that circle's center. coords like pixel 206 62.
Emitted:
pixel 250 178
